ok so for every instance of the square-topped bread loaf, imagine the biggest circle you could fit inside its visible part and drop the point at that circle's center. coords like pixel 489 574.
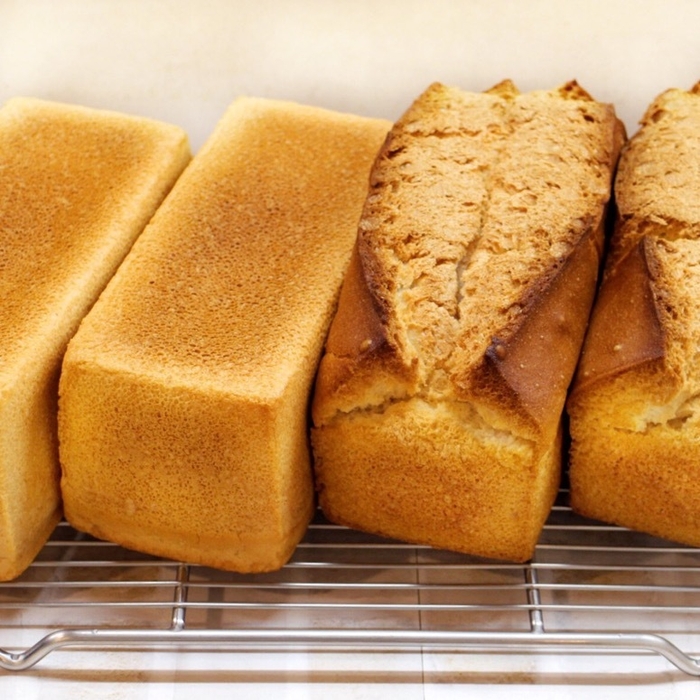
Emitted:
pixel 184 396
pixel 77 186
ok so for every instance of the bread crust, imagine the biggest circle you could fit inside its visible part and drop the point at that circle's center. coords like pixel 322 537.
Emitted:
pixel 470 288
pixel 626 328
pixel 184 396
pixel 525 378
pixel 367 332
pixel 77 186
pixel 634 411
pixel 359 350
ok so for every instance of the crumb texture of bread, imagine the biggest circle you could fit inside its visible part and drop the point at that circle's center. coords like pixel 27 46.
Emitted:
pixel 635 404
pixel 77 186
pixel 438 403
pixel 184 396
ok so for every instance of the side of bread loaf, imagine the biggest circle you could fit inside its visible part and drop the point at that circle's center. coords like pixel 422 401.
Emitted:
pixel 77 186
pixel 635 405
pixel 184 396
pixel 438 403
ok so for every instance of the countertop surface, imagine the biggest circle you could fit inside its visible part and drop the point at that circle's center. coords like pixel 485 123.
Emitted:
pixel 184 62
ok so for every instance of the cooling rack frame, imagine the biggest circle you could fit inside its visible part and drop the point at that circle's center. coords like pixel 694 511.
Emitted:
pixel 590 587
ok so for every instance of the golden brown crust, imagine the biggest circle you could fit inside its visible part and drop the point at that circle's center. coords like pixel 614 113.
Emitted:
pixel 635 404
pixel 357 344
pixel 476 264
pixel 357 327
pixel 421 482
pixel 626 327
pixel 184 397
pixel 655 174
pixel 448 268
pixel 517 371
pixel 77 186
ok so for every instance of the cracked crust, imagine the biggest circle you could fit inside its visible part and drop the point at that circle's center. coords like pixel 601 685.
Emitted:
pixel 635 404
pixel 474 271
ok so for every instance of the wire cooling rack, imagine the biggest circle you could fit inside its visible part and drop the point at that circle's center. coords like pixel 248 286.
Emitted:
pixel 589 587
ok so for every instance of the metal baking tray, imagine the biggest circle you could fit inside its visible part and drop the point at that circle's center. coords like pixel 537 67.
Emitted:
pixel 589 586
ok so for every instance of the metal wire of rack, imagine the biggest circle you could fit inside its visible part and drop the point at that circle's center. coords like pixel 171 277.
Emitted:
pixel 350 590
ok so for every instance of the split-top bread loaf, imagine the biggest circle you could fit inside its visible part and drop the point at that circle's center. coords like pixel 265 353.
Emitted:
pixel 635 404
pixel 77 186
pixel 438 404
pixel 184 395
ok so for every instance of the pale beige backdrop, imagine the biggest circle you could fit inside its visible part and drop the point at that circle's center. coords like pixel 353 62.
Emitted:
pixel 184 60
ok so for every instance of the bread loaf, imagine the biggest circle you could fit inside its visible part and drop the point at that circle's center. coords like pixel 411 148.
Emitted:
pixel 184 396
pixel 77 186
pixel 437 409
pixel 635 404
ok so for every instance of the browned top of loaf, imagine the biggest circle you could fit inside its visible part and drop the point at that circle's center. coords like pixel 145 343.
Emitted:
pixel 658 174
pixel 228 287
pixel 643 318
pixel 71 179
pixel 477 203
